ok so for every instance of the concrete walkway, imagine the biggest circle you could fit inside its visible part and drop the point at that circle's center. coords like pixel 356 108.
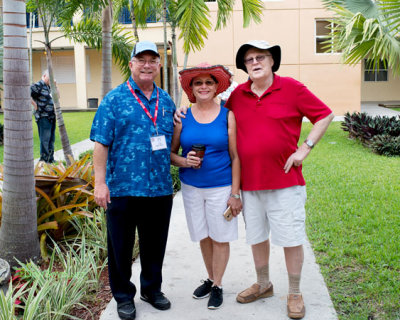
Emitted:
pixel 373 109
pixel 184 268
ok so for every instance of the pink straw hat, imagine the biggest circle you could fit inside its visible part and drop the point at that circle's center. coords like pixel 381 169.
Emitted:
pixel 219 72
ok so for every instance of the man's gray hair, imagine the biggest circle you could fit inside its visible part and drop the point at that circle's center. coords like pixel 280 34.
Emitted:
pixel 46 72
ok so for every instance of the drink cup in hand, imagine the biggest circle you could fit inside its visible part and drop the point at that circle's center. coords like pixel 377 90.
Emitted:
pixel 200 149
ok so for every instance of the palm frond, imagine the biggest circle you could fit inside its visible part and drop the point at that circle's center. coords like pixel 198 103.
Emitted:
pixel 359 37
pixel 252 10
pixel 194 23
pixel 89 31
pixel 391 8
pixel 225 9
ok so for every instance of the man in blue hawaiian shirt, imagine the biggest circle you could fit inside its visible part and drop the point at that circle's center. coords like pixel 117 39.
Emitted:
pixel 132 131
pixel 44 116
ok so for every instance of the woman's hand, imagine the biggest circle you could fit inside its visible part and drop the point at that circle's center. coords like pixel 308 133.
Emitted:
pixel 236 205
pixel 192 160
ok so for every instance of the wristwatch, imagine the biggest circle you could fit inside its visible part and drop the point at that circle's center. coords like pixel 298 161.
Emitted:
pixel 309 143
pixel 236 196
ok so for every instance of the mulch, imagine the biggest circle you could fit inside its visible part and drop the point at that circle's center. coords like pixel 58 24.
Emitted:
pixel 95 304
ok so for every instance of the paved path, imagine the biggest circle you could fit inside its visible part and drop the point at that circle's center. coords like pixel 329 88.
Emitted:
pixel 373 109
pixel 183 269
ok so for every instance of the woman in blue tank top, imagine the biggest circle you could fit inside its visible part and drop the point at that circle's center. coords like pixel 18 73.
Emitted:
pixel 211 178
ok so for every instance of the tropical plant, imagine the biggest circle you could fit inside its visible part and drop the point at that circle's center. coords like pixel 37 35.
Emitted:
pixel 56 289
pixel 18 230
pixel 380 134
pixel 366 29
pixel 63 193
pixel 8 306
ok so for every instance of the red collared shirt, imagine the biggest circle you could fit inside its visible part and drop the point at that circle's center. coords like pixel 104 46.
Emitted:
pixel 268 130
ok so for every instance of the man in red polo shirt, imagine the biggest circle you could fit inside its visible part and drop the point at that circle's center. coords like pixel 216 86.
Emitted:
pixel 269 110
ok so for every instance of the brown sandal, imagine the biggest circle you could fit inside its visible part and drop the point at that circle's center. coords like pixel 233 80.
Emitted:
pixel 295 306
pixel 254 292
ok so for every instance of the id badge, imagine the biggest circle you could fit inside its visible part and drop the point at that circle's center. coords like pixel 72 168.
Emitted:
pixel 158 143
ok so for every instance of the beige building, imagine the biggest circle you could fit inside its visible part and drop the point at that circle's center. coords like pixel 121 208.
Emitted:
pixel 298 26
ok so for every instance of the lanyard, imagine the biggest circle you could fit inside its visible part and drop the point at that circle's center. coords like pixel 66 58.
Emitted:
pixel 154 120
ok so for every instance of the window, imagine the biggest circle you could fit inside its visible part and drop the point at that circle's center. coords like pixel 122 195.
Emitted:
pixel 323 33
pixel 63 68
pixel 152 17
pixel 375 71
pixel 35 18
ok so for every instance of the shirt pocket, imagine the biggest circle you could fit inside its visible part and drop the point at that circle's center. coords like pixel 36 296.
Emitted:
pixel 165 122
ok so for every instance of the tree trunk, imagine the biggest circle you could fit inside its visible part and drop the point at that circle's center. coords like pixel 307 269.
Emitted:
pixel 133 19
pixel 174 68
pixel 180 91
pixel 165 46
pixel 57 109
pixel 18 231
pixel 106 85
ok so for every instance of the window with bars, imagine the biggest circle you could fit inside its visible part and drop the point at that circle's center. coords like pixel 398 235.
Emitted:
pixel 375 71
pixel 322 34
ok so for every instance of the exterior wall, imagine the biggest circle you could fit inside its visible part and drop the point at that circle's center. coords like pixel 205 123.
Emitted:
pixel 383 91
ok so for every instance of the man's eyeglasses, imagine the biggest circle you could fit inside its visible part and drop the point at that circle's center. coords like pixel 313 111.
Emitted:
pixel 252 60
pixel 199 83
pixel 142 62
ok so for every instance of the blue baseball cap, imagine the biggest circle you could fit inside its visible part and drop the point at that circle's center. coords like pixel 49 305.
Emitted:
pixel 143 46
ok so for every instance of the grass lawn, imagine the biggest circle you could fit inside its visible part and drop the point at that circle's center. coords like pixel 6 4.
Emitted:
pixel 78 126
pixel 397 109
pixel 353 223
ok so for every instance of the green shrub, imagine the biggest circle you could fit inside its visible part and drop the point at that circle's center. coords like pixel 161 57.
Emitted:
pixel 380 134
pixel 89 152
pixel 176 183
pixel 386 145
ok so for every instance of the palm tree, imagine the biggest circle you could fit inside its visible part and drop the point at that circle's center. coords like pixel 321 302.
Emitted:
pixel 366 29
pixel 18 231
pixel 107 22
pixel 48 11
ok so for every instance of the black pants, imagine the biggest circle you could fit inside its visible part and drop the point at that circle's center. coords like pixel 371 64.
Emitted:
pixel 47 130
pixel 151 216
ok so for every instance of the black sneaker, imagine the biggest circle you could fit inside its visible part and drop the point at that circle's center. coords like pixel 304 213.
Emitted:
pixel 157 299
pixel 216 298
pixel 126 310
pixel 204 290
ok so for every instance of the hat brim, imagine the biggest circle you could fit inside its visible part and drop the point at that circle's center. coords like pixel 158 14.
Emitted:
pixel 274 50
pixel 219 72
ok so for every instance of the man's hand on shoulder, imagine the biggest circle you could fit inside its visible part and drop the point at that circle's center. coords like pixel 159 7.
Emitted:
pixel 180 113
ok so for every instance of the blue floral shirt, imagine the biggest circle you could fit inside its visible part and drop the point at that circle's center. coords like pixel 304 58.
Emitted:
pixel 120 123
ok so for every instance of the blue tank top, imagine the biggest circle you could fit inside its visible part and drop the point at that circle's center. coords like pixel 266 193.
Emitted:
pixel 216 169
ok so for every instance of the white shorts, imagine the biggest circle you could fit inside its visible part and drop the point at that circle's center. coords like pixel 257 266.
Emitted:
pixel 204 208
pixel 280 212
